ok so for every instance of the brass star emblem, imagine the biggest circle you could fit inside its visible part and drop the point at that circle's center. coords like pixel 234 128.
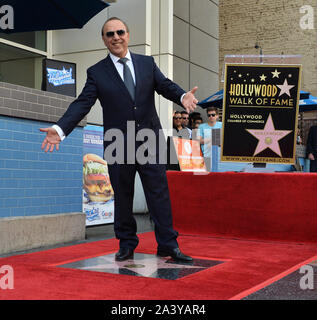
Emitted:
pixel 276 74
pixel 263 77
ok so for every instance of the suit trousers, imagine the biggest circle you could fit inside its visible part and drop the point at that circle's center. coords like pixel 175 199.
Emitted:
pixel 154 181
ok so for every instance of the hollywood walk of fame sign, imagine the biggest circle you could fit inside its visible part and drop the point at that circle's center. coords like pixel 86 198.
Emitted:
pixel 260 113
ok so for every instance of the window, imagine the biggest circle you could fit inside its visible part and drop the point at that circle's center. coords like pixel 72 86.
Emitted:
pixel 21 67
pixel 36 40
pixel 21 56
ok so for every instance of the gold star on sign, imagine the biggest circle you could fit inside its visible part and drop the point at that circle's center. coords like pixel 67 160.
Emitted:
pixel 263 77
pixel 276 74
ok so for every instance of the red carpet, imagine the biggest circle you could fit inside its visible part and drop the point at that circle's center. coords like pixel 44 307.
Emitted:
pixel 276 210
pixel 248 264
pixel 277 206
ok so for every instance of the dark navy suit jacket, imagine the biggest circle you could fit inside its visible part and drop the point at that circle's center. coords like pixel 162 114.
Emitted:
pixel 104 83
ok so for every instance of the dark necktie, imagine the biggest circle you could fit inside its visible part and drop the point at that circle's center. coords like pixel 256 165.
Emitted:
pixel 127 76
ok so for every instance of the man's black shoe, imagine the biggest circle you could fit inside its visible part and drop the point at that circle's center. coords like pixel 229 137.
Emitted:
pixel 124 254
pixel 175 253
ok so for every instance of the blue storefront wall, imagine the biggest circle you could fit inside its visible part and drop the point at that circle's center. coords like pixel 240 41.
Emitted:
pixel 33 182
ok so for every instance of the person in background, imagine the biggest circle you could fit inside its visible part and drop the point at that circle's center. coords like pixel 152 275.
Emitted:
pixel 177 121
pixel 192 117
pixel 204 134
pixel 185 119
pixel 178 129
pixel 299 138
pixel 185 122
pixel 197 122
pixel 311 148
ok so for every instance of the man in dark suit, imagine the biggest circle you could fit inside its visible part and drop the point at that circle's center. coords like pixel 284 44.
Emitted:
pixel 125 84
pixel 311 148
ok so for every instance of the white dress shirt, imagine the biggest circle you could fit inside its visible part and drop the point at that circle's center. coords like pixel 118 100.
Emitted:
pixel 119 66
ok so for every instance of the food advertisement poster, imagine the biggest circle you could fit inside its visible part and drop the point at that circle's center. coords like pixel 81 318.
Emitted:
pixel 98 201
pixel 260 113
pixel 189 155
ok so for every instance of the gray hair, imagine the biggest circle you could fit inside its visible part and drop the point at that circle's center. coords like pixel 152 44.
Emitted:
pixel 114 18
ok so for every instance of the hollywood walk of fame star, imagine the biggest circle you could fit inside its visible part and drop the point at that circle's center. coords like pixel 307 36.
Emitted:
pixel 268 137
pixel 263 77
pixel 285 88
pixel 276 74
pixel 142 265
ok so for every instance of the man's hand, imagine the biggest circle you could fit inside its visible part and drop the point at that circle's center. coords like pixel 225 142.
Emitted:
pixel 189 101
pixel 51 140
pixel 311 157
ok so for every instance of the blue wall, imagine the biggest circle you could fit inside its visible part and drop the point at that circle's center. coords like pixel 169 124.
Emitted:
pixel 33 182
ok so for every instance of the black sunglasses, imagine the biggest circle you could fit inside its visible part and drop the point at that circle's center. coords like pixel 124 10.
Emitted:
pixel 177 118
pixel 211 115
pixel 185 118
pixel 110 34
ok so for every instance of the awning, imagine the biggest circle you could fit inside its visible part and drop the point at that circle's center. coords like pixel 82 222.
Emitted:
pixel 38 15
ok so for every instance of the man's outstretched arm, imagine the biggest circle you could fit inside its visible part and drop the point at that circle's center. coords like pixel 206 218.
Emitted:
pixel 171 91
pixel 77 110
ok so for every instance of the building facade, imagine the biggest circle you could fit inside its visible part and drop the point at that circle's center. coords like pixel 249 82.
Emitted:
pixel 272 28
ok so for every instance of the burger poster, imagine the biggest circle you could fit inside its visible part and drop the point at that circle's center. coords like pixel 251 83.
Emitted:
pixel 260 110
pixel 98 203
pixel 189 155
